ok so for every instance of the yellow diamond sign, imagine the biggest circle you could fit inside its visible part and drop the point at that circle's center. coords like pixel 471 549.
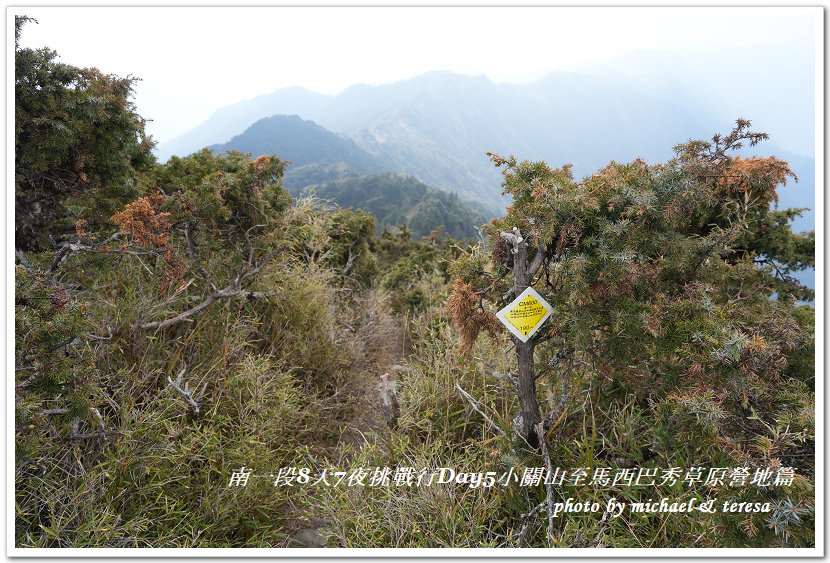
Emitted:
pixel 525 314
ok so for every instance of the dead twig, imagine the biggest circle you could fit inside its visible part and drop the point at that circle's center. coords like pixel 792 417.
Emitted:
pixel 560 355
pixel 68 249
pixel 187 394
pixel 507 377
pixel 540 431
pixel 474 405
pixel 233 289
pixel 101 433
pixel 93 435
pixel 526 519
pixel 350 260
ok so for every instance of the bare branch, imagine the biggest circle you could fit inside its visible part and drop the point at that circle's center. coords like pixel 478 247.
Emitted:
pixel 234 289
pixel 194 259
pixel 603 522
pixel 558 357
pixel 186 315
pixel 250 244
pixel 490 370
pixel 474 403
pixel 97 414
pixel 90 336
pixel 526 519
pixel 259 294
pixel 69 249
pixel 61 344
pixel 191 246
pixel 186 393
pixel 101 433
pixel 536 264
pixel 350 261
pixel 93 435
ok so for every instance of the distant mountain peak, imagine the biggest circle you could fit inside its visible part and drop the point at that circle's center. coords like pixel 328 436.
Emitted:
pixel 232 120
pixel 293 138
pixel 437 126
pixel 315 153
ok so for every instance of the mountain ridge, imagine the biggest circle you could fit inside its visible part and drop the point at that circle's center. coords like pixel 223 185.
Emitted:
pixel 438 126
pixel 397 199
pixel 304 144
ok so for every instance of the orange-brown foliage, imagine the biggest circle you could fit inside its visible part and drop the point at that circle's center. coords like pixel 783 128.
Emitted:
pixel 756 177
pixel 80 228
pixel 260 162
pixel 147 226
pixel 142 221
pixel 463 310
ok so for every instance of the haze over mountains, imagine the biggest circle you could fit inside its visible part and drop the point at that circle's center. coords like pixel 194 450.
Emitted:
pixel 438 126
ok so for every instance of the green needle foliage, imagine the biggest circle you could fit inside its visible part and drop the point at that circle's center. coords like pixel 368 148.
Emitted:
pixel 78 144
pixel 671 289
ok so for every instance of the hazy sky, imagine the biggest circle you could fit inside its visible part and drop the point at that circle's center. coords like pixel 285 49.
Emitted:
pixel 195 60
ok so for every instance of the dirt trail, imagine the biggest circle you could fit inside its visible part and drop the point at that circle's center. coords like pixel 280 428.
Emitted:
pixel 371 390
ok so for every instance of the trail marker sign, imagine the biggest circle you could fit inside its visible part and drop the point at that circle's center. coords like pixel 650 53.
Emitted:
pixel 525 314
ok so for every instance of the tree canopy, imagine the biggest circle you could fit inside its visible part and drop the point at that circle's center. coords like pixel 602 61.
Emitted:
pixel 78 143
pixel 671 281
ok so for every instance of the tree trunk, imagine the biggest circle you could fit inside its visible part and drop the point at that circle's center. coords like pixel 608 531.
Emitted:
pixel 529 414
pixel 528 406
